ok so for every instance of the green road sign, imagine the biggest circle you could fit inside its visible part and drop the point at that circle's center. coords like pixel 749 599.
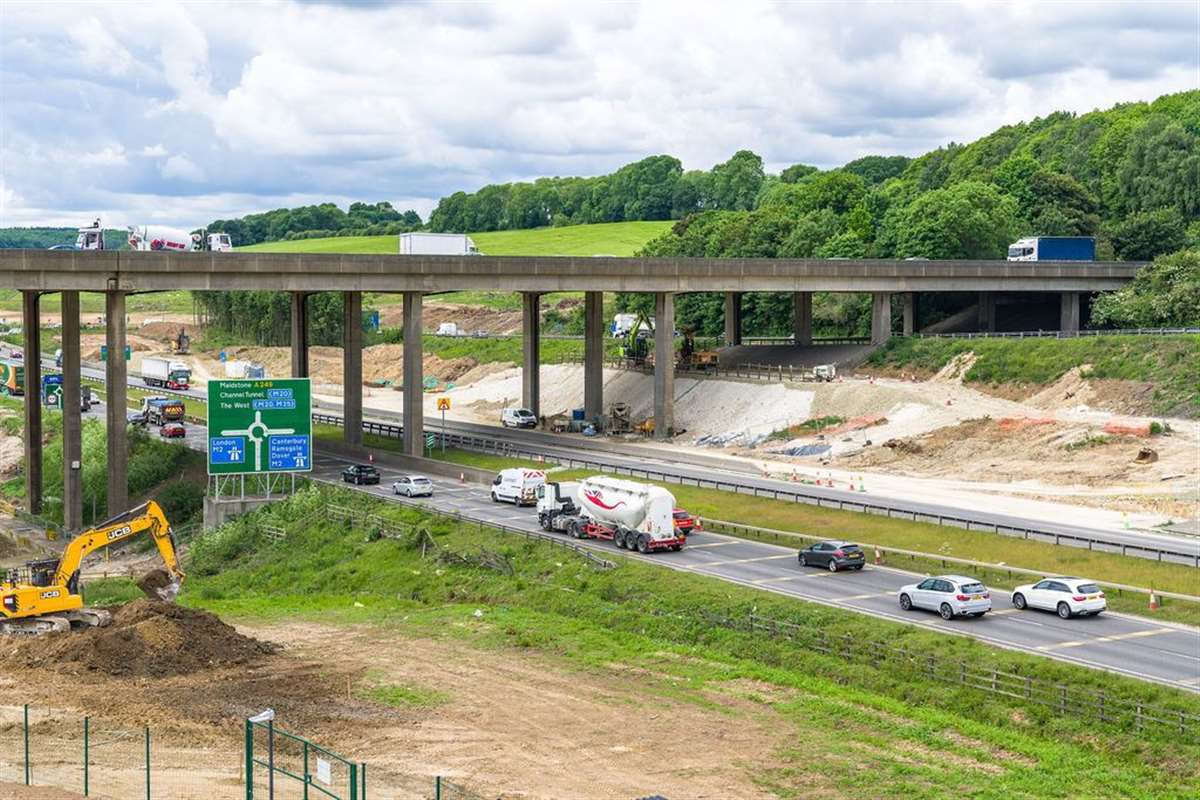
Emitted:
pixel 104 352
pixel 259 426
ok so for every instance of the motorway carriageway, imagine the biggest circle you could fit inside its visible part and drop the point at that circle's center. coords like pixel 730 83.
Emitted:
pixel 621 456
pixel 1164 653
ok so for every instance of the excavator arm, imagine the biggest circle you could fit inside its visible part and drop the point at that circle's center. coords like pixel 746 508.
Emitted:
pixel 146 518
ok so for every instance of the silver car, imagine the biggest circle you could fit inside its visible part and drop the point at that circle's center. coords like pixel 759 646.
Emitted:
pixel 949 595
pixel 413 486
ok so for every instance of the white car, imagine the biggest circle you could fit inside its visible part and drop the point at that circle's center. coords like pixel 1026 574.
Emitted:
pixel 413 486
pixel 1066 597
pixel 949 595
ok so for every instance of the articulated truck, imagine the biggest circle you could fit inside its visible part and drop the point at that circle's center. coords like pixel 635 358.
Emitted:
pixel 165 373
pixel 633 515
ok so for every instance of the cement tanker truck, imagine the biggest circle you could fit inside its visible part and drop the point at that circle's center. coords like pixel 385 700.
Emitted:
pixel 633 515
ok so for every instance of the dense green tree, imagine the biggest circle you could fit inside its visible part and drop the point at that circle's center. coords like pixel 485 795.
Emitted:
pixel 1164 294
pixel 1161 168
pixel 797 172
pixel 736 182
pixel 966 220
pixel 1147 234
pixel 875 170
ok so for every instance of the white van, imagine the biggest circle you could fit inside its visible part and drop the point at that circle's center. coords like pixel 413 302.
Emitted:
pixel 518 418
pixel 518 486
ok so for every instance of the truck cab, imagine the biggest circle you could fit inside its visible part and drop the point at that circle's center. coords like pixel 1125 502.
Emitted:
pixel 90 238
pixel 218 243
pixel 554 499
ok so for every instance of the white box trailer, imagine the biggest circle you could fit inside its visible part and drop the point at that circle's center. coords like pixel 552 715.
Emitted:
pixel 437 244
pixel 165 373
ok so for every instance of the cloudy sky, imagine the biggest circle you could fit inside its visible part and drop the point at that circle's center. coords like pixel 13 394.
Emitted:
pixel 180 113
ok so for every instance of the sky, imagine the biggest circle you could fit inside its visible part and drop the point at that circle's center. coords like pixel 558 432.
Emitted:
pixel 181 113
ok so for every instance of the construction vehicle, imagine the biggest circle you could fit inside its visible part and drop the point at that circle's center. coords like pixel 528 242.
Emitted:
pixel 43 596
pixel 691 358
pixel 181 343
pixel 633 515
pixel 635 350
pixel 161 410
pixel 824 372
pixel 618 418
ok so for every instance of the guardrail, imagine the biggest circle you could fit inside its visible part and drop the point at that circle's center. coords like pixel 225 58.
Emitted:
pixel 796 495
pixel 1056 334
pixel 817 340
pixel 738 529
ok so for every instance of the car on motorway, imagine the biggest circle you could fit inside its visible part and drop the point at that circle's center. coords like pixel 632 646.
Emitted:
pixel 949 595
pixel 172 430
pixel 518 418
pixel 360 474
pixel 685 523
pixel 137 418
pixel 834 555
pixel 1067 597
pixel 413 486
pixel 518 486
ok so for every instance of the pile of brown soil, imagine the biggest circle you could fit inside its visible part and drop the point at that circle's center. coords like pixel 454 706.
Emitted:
pixel 147 638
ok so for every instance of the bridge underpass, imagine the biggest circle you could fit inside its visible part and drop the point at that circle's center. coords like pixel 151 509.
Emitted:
pixel 117 273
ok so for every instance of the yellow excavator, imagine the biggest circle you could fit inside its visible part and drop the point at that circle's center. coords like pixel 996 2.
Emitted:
pixel 43 596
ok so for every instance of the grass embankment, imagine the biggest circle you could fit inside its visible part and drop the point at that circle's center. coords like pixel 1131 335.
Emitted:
pixel 608 239
pixel 1169 362
pixel 875 729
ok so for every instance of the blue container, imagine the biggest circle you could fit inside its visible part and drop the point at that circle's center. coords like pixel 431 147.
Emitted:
pixel 577 414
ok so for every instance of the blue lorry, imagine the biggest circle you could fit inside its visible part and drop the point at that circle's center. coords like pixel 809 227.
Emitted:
pixel 1053 248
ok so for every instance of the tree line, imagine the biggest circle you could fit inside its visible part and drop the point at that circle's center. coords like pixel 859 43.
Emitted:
pixel 319 221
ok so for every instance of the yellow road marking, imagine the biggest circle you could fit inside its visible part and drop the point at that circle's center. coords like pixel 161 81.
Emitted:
pixel 743 561
pixel 1115 638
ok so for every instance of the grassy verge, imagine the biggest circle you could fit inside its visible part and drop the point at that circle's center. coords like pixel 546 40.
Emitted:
pixel 1169 362
pixel 173 302
pixel 870 719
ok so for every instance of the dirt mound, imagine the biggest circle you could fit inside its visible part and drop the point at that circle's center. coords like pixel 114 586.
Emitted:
pixel 147 639
pixel 956 370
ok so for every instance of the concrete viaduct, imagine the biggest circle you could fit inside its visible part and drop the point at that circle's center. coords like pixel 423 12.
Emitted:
pixel 117 274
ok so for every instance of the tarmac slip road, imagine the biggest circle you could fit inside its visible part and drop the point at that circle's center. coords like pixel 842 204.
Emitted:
pixel 1163 653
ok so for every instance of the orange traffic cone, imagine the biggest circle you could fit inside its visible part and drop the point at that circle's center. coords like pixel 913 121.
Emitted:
pixel 1153 601
pixel 878 557
pixel 370 458
pixel 462 477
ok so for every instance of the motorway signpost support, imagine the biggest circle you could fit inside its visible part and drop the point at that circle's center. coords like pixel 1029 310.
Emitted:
pixel 443 406
pixel 261 428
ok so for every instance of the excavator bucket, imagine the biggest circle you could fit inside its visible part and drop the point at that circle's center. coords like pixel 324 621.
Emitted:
pixel 159 584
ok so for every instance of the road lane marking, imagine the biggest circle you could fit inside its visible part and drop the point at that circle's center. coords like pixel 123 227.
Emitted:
pixel 1114 638
pixel 744 560
pixel 710 544
pixel 1000 611
pixel 861 596
pixel 796 577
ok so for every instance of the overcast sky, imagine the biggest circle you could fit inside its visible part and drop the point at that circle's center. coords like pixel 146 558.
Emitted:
pixel 179 113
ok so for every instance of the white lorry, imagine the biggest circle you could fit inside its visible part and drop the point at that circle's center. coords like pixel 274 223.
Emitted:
pixel 633 515
pixel 166 373
pixel 437 244
pixel 156 237
pixel 518 486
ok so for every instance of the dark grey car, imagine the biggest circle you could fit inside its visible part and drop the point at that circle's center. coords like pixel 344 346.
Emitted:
pixel 833 555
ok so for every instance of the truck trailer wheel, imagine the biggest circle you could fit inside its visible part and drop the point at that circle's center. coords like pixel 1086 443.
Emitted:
pixel 643 544
pixel 619 538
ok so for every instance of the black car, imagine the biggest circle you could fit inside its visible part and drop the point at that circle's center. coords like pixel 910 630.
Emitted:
pixel 360 474
pixel 833 556
pixel 137 418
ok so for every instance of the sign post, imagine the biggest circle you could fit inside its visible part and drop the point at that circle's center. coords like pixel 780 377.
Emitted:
pixel 443 406
pixel 52 390
pixel 259 426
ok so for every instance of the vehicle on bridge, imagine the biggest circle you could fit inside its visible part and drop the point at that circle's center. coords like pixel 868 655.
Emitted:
pixel 1053 248
pixel 437 244
pixel 165 373
pixel 12 377
pixel 1067 597
pixel 949 595
pixel 633 515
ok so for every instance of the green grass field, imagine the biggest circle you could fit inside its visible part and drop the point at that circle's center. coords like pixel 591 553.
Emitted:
pixel 173 302
pixel 876 730
pixel 610 239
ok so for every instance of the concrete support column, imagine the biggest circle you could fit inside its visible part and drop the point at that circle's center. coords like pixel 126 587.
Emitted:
pixel 1069 320
pixel 531 351
pixel 664 364
pixel 910 312
pixel 733 318
pixel 802 318
pixel 881 317
pixel 31 326
pixel 987 312
pixel 299 336
pixel 593 355
pixel 72 425
pixel 414 421
pixel 115 391
pixel 352 374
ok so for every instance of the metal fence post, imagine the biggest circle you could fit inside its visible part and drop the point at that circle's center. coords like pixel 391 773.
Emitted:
pixel 362 776
pixel 85 756
pixel 270 759
pixel 147 762
pixel 307 776
pixel 249 756
pixel 353 781
pixel 26 726
pixel 437 787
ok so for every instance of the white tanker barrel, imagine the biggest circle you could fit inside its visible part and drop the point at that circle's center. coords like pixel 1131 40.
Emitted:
pixel 158 237
pixel 630 505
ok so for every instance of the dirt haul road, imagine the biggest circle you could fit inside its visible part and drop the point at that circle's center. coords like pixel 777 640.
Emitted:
pixel 506 722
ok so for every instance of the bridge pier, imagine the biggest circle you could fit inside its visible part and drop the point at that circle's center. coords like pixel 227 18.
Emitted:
pixel 414 420
pixel 531 351
pixel 116 378
pixel 72 424
pixel 352 375
pixel 802 318
pixel 299 336
pixel 31 327
pixel 593 355
pixel 987 312
pixel 733 318
pixel 1069 316
pixel 664 364
pixel 881 317
pixel 909 302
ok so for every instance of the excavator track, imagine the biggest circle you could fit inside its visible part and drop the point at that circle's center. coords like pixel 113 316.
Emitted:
pixel 36 626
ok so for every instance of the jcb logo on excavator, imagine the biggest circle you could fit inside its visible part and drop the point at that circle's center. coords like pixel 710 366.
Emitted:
pixel 118 533
pixel 50 594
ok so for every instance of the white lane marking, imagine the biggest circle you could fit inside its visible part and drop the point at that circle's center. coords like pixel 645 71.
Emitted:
pixel 861 596
pixel 1100 639
pixel 710 544
pixel 740 561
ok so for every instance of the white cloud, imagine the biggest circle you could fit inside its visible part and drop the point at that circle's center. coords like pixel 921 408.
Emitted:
pixel 371 102
pixel 183 168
